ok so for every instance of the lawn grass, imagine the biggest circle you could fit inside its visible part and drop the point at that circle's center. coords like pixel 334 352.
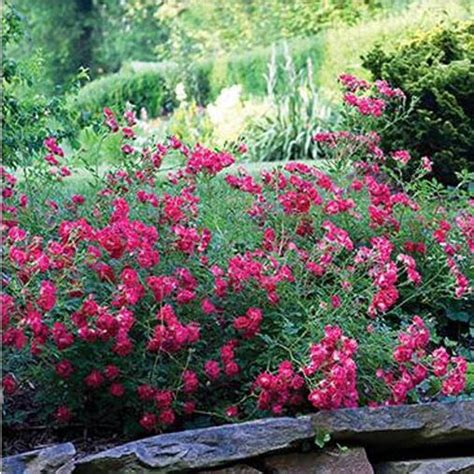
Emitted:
pixel 82 180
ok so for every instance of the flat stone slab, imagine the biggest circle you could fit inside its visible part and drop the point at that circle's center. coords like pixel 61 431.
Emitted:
pixel 41 461
pixel 428 466
pixel 404 426
pixel 237 469
pixel 353 460
pixel 200 448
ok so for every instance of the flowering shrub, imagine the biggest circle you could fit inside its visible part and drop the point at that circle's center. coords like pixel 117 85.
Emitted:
pixel 149 302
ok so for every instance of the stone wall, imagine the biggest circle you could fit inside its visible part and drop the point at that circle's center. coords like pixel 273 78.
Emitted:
pixel 429 438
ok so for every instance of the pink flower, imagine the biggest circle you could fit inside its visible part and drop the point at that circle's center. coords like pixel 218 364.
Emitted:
pixel 190 381
pixel 146 392
pixel 62 338
pixel 148 421
pixel 167 417
pixel 127 149
pixel 110 120
pixel 402 156
pixel 23 200
pixel 117 390
pixel 189 407
pixel 336 301
pixel 94 379
pixel 212 369
pixel 249 324
pixel 78 199
pixel 130 117
pixel 9 384
pixel 64 369
pixel 63 414
pixel 111 372
pixel 232 411
pixel 208 307
pixel 350 82
pixel 47 295
pixel 163 398
pixel 426 164
pixel 242 148
pixel 128 132
pixel 52 146
pixel 231 369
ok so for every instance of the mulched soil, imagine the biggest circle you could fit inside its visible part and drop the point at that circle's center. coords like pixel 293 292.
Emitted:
pixel 32 434
pixel 20 439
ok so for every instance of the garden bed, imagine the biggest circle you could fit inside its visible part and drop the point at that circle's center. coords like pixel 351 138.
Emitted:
pixel 219 295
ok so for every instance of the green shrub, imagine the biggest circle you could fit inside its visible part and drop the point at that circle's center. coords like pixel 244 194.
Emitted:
pixel 333 50
pixel 436 71
pixel 151 85
pixel 148 89
pixel 154 304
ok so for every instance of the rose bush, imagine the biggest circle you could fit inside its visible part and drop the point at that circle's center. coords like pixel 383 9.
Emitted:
pixel 153 301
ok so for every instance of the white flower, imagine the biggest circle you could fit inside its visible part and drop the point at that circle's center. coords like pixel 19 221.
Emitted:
pixel 180 92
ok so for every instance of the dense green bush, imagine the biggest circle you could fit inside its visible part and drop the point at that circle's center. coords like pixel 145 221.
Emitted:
pixel 148 89
pixel 216 27
pixel 332 51
pixel 208 77
pixel 157 304
pixel 436 71
pixel 95 34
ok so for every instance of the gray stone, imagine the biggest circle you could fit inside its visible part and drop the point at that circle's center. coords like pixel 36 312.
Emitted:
pixel 352 460
pixel 401 426
pixel 428 466
pixel 41 461
pixel 380 429
pixel 237 469
pixel 202 448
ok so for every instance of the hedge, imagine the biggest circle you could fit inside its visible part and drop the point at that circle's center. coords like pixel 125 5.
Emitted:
pixel 151 85
pixel 147 89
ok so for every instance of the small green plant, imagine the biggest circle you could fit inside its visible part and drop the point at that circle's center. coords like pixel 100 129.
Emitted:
pixel 189 121
pixel 322 438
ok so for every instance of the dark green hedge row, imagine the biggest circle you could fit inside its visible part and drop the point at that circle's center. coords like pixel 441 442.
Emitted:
pixel 153 86
pixel 147 89
pixel 436 68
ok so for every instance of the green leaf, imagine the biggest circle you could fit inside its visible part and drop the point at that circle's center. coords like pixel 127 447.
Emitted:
pixel 322 438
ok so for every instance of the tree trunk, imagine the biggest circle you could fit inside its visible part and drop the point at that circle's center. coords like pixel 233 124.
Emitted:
pixel 85 10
